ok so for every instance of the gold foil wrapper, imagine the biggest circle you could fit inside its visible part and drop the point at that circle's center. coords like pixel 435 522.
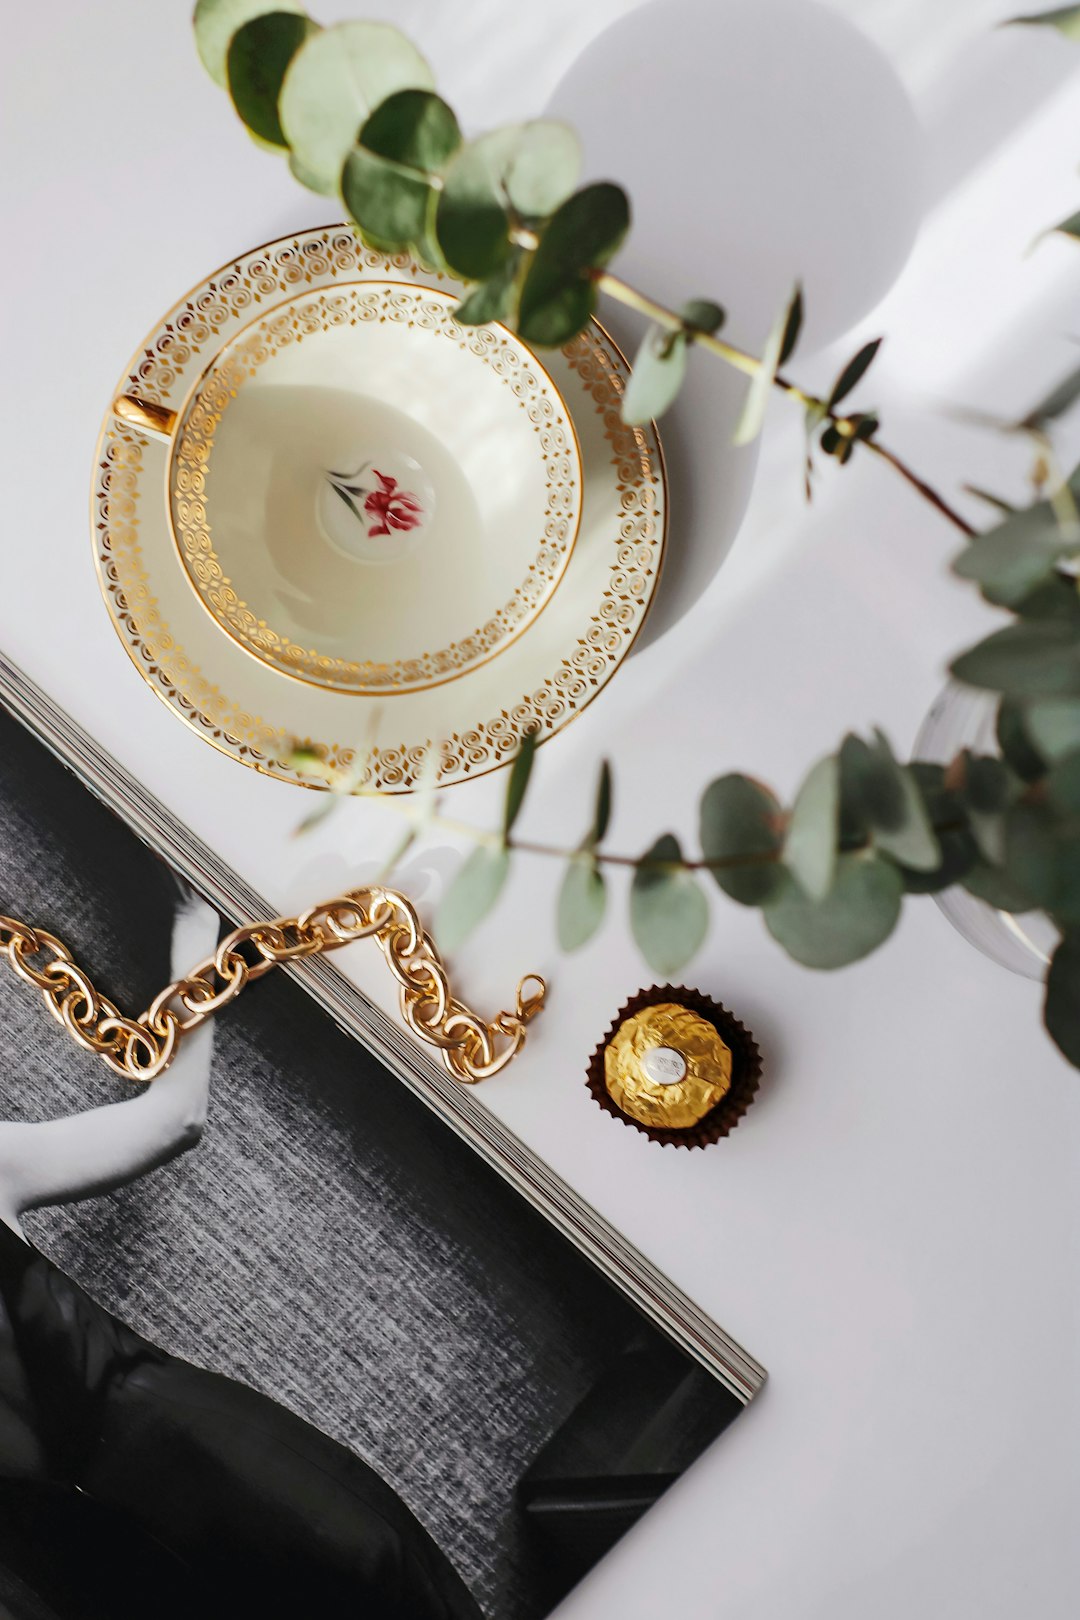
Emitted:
pixel 681 1039
pixel 676 1065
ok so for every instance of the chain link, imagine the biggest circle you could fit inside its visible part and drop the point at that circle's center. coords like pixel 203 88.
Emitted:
pixel 142 1048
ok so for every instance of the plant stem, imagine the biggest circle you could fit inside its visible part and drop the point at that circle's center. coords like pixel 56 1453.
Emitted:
pixel 525 846
pixel 621 290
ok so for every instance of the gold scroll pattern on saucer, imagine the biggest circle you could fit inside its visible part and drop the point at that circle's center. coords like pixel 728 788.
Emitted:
pixel 675 1032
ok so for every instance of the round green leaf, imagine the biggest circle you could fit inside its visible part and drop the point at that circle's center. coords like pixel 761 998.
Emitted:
pixel 855 917
pixel 581 903
pixel 945 812
pixel 810 848
pixel 1061 1009
pixel 389 206
pixel 741 821
pixel 657 376
pixel 216 21
pixel 414 127
pixel 472 222
pixel 331 89
pixel 1054 727
pixel 542 168
pixel 910 840
pixel 702 315
pixel 472 893
pixel 559 297
pixel 494 299
pixel 258 58
pixel 870 787
pixel 669 915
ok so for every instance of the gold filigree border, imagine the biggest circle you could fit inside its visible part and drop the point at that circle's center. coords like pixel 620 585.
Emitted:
pixel 430 310
pixel 281 267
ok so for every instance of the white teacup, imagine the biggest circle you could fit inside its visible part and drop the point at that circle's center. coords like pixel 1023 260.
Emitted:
pixel 367 495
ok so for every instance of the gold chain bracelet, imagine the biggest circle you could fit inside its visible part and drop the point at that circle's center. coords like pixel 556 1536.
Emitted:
pixel 142 1048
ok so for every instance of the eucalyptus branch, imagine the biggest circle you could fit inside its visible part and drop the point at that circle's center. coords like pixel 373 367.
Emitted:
pixel 354 108
pixel 751 366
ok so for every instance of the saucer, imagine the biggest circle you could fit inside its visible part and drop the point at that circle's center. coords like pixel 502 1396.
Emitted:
pixel 369 496
pixel 261 716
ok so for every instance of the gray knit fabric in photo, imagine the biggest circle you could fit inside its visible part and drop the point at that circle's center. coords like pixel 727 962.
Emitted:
pixel 329 1242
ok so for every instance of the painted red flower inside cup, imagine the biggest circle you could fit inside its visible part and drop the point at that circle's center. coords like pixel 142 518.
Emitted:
pixel 392 508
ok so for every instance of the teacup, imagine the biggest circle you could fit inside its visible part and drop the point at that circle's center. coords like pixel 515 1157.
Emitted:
pixel 367 495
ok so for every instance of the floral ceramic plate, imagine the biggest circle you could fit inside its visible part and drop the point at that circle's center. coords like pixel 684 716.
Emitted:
pixel 448 540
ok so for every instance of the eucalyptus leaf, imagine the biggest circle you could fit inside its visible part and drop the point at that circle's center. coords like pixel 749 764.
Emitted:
pixel 216 21
pixel 669 915
pixel 1060 399
pixel 657 375
pixel 810 849
pixel 994 887
pixel 1053 726
pixel 494 299
pixel 543 167
pixel 1063 785
pixel 757 395
pixel 1064 18
pixel 792 326
pixel 473 891
pixel 518 781
pixel 853 373
pixel 1016 740
pixel 389 206
pixel 413 127
pixel 742 822
pixel 1031 854
pixel 333 85
pixel 1023 551
pixel 581 903
pixel 1069 227
pixel 601 809
pixel 945 813
pixel 871 792
pixel 521 170
pixel 387 179
pixel 702 315
pixel 855 917
pixel 987 496
pixel 259 56
pixel 1061 1008
pixel 1055 597
pixel 909 838
pixel 472 219
pixel 988 785
pixel 559 296
pixel 1033 658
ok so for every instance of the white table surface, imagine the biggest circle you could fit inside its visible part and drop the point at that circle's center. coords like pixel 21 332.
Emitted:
pixel 893 1229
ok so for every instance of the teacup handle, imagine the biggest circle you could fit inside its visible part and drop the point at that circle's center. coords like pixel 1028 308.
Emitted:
pixel 156 420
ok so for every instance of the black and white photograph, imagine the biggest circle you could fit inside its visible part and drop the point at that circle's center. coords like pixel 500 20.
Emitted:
pixel 540 810
pixel 274 1340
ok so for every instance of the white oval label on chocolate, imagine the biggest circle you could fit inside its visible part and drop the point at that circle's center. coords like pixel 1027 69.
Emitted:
pixel 664 1066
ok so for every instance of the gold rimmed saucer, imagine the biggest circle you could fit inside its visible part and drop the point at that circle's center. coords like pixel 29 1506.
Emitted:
pixel 257 714
pixel 369 496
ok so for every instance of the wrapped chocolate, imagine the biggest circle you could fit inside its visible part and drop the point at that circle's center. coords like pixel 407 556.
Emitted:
pixel 676 1065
